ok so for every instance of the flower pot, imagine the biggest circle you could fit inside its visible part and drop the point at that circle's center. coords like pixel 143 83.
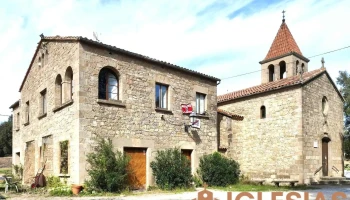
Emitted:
pixel 76 189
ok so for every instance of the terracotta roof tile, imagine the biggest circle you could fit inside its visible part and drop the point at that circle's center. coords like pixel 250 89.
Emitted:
pixel 229 114
pixel 283 43
pixel 286 82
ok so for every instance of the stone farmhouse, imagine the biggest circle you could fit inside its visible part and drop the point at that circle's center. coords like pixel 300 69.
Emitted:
pixel 288 127
pixel 293 120
pixel 76 89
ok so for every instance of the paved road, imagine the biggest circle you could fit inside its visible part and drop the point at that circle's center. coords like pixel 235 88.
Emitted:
pixel 221 195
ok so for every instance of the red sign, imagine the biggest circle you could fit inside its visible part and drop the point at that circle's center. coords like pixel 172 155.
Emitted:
pixel 186 108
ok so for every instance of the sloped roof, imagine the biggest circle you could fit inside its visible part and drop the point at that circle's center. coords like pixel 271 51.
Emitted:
pixel 115 49
pixel 283 43
pixel 229 114
pixel 282 83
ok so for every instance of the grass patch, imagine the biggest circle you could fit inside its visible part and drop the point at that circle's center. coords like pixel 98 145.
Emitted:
pixel 6 171
pixel 261 188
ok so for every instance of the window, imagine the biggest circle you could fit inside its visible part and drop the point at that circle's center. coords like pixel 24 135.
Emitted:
pixel 282 69
pixel 18 124
pixel 42 59
pixel 200 103
pixel 68 84
pixel 324 106
pixel 64 157
pixel 161 96
pixel 43 102
pixel 58 91
pixel 108 85
pixel 271 73
pixel 27 113
pixel 262 112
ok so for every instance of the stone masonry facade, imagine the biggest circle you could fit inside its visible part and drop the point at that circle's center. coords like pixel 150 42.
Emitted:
pixel 282 145
pixel 131 121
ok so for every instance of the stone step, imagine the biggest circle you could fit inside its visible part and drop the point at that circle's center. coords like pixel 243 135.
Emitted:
pixel 332 178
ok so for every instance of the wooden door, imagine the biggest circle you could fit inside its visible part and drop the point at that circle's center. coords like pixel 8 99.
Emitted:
pixel 187 153
pixel 137 167
pixel 325 157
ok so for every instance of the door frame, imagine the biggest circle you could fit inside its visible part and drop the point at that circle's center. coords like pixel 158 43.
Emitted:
pixel 325 156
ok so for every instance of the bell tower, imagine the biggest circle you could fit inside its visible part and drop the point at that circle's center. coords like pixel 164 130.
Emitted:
pixel 284 58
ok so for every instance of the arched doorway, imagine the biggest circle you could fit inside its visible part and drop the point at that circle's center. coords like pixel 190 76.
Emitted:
pixel 325 142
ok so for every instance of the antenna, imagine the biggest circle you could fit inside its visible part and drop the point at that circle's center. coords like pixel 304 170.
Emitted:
pixel 94 34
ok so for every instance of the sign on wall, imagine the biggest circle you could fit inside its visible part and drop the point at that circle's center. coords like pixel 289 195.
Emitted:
pixel 186 108
pixel 196 123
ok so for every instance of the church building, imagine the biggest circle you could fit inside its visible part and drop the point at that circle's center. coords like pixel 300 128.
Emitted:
pixel 293 120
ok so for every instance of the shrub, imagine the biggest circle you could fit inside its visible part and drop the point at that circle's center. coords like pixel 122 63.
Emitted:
pixel 18 171
pixel 108 171
pixel 171 169
pixel 217 170
pixel 61 191
pixel 54 182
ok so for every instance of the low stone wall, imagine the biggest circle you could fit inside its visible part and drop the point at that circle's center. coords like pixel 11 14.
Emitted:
pixel 5 162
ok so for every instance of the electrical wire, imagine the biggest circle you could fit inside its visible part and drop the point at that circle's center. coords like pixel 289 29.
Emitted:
pixel 307 57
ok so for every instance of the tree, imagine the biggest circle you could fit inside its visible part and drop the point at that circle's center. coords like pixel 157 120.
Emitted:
pixel 6 137
pixel 344 81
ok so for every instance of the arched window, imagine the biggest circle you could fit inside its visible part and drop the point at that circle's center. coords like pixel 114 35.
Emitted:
pixel 271 73
pixel 302 68
pixel 296 67
pixel 42 60
pixel 282 69
pixel 58 91
pixel 262 112
pixel 108 87
pixel 324 106
pixel 68 84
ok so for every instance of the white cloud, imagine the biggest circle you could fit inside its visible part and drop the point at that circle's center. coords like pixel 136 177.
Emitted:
pixel 180 32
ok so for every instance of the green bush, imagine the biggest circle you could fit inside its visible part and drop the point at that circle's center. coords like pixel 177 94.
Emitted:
pixel 53 182
pixel 217 170
pixel 171 169
pixel 108 168
pixel 61 191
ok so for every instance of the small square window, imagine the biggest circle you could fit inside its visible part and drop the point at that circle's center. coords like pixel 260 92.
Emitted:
pixel 200 103
pixel 161 96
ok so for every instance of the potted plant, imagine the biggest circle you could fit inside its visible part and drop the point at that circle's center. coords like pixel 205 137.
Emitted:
pixel 76 188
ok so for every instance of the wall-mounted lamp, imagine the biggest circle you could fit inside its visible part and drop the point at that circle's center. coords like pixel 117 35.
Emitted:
pixel 192 116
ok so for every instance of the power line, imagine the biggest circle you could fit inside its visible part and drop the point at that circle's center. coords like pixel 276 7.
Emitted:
pixel 4 115
pixel 307 57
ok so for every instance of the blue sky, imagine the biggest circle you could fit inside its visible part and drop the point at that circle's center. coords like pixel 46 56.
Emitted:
pixel 219 38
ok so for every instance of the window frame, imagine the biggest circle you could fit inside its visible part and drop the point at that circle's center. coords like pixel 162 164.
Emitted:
pixel 27 113
pixel 108 93
pixel 161 85
pixel 198 107
pixel 43 102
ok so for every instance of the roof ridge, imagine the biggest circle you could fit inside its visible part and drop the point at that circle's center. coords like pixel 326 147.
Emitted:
pixel 264 87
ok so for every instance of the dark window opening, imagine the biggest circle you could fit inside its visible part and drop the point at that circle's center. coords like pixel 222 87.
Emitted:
pixel 108 85
pixel 271 73
pixel 262 112
pixel 282 69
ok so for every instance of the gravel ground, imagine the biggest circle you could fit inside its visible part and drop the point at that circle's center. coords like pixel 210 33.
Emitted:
pixel 326 190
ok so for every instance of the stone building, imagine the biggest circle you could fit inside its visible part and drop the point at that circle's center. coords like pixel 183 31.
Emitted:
pixel 293 120
pixel 76 89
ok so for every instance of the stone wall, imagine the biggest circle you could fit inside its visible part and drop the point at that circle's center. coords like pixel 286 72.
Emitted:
pixel 269 147
pixel 62 123
pixel 135 121
pixel 29 160
pixel 316 126
pixel 5 162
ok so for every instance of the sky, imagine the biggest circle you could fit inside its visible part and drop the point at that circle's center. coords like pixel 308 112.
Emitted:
pixel 221 38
